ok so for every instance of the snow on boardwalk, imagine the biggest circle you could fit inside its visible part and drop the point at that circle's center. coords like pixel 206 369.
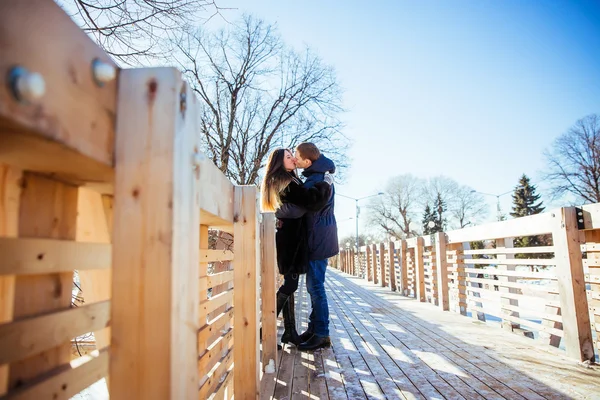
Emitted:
pixel 386 346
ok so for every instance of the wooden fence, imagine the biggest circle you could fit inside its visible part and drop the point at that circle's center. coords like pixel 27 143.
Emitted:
pixel 101 173
pixel 550 292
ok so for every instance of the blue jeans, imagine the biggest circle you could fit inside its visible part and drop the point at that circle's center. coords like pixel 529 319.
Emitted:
pixel 315 285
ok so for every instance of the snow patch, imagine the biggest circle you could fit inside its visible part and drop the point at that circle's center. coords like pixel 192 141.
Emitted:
pixel 270 368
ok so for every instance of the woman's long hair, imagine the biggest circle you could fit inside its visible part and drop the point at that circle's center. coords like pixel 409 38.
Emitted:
pixel 276 179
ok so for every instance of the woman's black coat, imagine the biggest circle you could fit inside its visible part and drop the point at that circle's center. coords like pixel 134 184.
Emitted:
pixel 292 236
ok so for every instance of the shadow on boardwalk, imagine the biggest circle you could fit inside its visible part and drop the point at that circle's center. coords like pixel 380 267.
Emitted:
pixel 386 346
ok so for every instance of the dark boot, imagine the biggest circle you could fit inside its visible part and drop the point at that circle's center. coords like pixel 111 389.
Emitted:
pixel 290 335
pixel 315 342
pixel 282 299
pixel 305 336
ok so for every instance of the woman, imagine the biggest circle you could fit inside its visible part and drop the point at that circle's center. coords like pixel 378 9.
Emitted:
pixel 281 185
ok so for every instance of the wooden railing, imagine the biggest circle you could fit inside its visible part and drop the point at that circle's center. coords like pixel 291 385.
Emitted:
pixel 550 292
pixel 104 177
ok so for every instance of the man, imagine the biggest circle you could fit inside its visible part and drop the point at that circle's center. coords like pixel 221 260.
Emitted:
pixel 322 244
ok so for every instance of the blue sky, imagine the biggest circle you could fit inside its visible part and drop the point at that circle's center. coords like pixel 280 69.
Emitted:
pixel 474 90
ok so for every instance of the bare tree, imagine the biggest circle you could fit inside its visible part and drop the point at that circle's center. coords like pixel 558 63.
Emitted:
pixel 134 30
pixel 395 210
pixel 257 93
pixel 574 161
pixel 440 193
pixel 469 207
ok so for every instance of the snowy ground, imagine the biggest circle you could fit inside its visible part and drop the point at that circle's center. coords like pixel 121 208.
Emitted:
pixel 98 391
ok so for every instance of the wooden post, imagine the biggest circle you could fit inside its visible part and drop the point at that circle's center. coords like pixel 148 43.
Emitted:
pixel 571 286
pixel 10 192
pixel 419 271
pixel 268 267
pixel 48 209
pixel 382 264
pixel 368 263
pixel 352 263
pixel 507 243
pixel 392 257
pixel 461 284
pixel 402 260
pixel 592 239
pixel 442 271
pixel 155 304
pixel 246 291
pixel 374 263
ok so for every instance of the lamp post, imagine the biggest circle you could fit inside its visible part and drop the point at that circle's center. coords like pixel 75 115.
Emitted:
pixel 356 200
pixel 497 196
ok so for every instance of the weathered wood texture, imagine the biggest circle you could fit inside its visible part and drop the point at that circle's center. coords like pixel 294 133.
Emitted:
pixel 156 235
pixel 247 273
pixel 69 132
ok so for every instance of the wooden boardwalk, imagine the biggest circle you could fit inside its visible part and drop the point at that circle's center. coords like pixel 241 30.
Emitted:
pixel 386 346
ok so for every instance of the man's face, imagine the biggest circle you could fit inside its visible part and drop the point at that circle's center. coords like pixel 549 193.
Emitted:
pixel 302 162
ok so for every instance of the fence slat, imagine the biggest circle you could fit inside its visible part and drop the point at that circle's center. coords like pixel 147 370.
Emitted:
pixel 268 267
pixel 577 328
pixel 30 336
pixel 156 236
pixel 48 210
pixel 442 271
pixel 246 284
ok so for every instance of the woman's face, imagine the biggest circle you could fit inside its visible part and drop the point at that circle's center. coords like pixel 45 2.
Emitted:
pixel 289 162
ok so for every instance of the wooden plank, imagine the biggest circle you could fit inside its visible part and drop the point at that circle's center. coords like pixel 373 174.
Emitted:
pixel 64 383
pixel 94 225
pixel 382 358
pixel 368 264
pixel 573 300
pixel 215 351
pixel 461 346
pixel 217 301
pixel 69 131
pixel 33 335
pixel 402 259
pixel 526 226
pixel 512 250
pixel 534 288
pixel 225 389
pixel 10 193
pixel 374 257
pixel 349 345
pixel 213 280
pixel 268 278
pixel 156 236
pixel 419 271
pixel 502 244
pixel 223 367
pixel 519 261
pixel 48 209
pixel 247 273
pixel 524 322
pixel 392 258
pixel 513 273
pixel 208 256
pixel 43 256
pixel 210 329
pixel 590 216
pixel 382 267
pixel 442 271
pixel 216 197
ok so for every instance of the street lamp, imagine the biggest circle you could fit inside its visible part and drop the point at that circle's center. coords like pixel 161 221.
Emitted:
pixel 358 209
pixel 497 196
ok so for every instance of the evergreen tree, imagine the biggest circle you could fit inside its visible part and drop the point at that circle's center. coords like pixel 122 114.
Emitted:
pixel 525 199
pixel 428 216
pixel 527 202
pixel 440 208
